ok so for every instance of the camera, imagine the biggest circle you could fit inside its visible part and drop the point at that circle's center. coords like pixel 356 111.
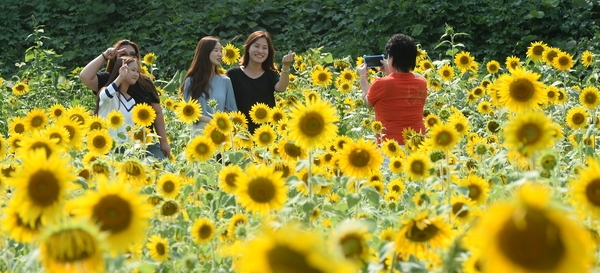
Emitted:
pixel 373 60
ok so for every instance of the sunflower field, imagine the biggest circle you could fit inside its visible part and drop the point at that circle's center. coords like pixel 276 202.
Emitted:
pixel 506 178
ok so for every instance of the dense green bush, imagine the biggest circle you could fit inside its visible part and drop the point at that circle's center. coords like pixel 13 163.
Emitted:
pixel 80 30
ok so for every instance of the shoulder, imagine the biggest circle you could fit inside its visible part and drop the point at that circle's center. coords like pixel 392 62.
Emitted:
pixel 222 78
pixel 234 70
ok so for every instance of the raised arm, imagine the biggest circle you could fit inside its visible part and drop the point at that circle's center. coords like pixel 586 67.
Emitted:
pixel 88 73
pixel 284 79
pixel 364 83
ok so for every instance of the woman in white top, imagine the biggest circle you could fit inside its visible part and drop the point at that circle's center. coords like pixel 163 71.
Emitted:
pixel 203 82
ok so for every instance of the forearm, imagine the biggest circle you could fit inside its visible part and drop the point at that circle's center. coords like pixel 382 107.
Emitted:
pixel 364 86
pixel 284 79
pixel 88 73
pixel 206 119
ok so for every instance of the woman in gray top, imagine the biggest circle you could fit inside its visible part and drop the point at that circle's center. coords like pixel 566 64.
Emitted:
pixel 204 82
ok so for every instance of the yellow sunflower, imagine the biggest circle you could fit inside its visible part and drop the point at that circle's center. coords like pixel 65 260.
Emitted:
pixel 535 51
pixel 563 61
pixel 321 76
pixel 159 248
pixel 231 54
pixel 530 235
pixel 260 113
pixel 14 226
pixel 222 121
pixel 289 249
pixel 446 73
pixel 99 142
pixel 41 185
pixel 239 120
pixel 577 117
pixel 229 177
pixel 444 136
pixel 434 84
pixel 115 119
pixel 72 247
pixel 277 114
pixel 431 120
pixel 133 171
pixel 529 132
pixel 464 60
pixel 262 189
pixel 422 234
pixel 587 58
pixel 16 125
pixel 119 211
pixel 376 126
pixel 36 119
pixel 485 107
pixel 290 151
pixel 264 136
pixel 20 89
pixel 168 185
pixel 189 111
pixel 56 111
pixel 347 75
pixel 417 166
pixel 584 188
pixel 478 188
pixel 3 145
pixel 149 58
pixel 549 54
pixel 589 97
pixel 520 91
pixel 513 62
pixel 351 240
pixel 313 125
pixel 493 67
pixel 80 113
pixel 464 211
pixel 358 159
pixel 37 140
pixel 202 231
pixel 97 123
pixel 220 140
pixel 391 148
pixel 143 114
pixel 76 131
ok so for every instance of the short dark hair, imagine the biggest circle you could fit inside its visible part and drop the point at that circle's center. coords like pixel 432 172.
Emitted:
pixel 404 51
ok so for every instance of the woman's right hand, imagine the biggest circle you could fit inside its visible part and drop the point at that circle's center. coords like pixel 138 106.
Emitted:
pixel 111 52
pixel 124 69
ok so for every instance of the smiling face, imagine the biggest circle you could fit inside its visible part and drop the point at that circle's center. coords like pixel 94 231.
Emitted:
pixel 134 73
pixel 259 51
pixel 216 55
pixel 129 51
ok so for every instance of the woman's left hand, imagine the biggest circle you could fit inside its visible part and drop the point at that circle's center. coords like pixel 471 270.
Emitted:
pixel 165 148
pixel 288 59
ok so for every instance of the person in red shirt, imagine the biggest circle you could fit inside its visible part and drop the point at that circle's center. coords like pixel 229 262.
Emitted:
pixel 399 97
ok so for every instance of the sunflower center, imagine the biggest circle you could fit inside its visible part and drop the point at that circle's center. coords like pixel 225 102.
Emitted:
pixel 57 112
pixel 217 137
pixel 397 164
pixel 421 235
pixel 133 169
pixel 20 87
pixel 592 192
pixel 19 128
pixel 578 119
pixel 590 98
pixel 42 145
pixel 43 188
pixel 396 188
pixel 417 167
pixel 493 67
pixel 563 61
pixel 230 179
pixel 530 133
pixel 281 258
pixel 522 90
pixel 222 124
pixel 431 122
pixel 261 113
pixel 113 212
pixel 37 121
pixel 323 77
pixel 292 150
pixel 201 148
pixel 99 142
pixel 456 209
pixel 464 60
pixel 143 114
pixel 169 208
pixel 537 50
pixel 446 73
pixel 71 131
pixel 168 186
pixel 229 53
pixel 480 149
pixel 444 138
pixel 188 111
pixel 204 232
pixel 359 158
pixel 160 249
pixel 351 246
pixel 536 244
pixel 261 190
pixel 474 192
pixel 284 169
pixel 312 124
pixel 115 120
pixel 76 245
pixel 265 137
pixel 79 118
pixel 57 136
pixel 493 126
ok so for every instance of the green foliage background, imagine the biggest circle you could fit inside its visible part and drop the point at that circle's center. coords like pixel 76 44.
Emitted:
pixel 80 30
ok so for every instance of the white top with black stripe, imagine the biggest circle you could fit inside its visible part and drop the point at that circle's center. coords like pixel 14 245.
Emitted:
pixel 112 99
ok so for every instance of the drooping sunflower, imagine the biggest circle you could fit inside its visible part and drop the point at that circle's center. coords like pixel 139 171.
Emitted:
pixel 587 58
pixel 76 131
pixel 290 151
pixel 446 73
pixel 549 54
pixel 149 58
pixel 231 54
pixel 589 97
pixel 530 235
pixel 321 76
pixel 189 111
pixel 444 136
pixel 133 171
pixel 535 51
pixel 289 249
pixel 422 234
pixel 99 142
pixel 36 119
pixel 262 189
pixel 520 91
pixel 464 60
pixel 563 61
pixel 239 120
pixel 577 117
pixel 229 177
pixel 493 67
pixel 56 111
pixel 159 248
pixel 358 159
pixel 312 125
pixel 14 226
pixel 143 114
pixel 119 211
pixel 169 208
pixel 222 121
pixel 41 185
pixel 264 136
pixel 417 166
pixel 478 188
pixel 72 247
pixel 168 185
pixel 202 231
pixel 513 62
pixel 529 132
pixel 260 113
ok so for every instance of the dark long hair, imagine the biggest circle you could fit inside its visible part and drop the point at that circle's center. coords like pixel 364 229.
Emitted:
pixel 201 68
pixel 110 65
pixel 269 63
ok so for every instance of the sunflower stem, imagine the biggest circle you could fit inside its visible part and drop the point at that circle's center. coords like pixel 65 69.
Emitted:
pixel 213 261
pixel 310 193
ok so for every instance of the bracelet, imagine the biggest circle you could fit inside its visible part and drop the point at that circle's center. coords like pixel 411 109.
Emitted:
pixel 285 71
pixel 106 59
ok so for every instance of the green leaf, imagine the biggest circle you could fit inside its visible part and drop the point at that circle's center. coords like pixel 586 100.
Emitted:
pixel 372 194
pixel 236 157
pixel 352 200
pixel 111 8
pixel 417 30
pixel 29 55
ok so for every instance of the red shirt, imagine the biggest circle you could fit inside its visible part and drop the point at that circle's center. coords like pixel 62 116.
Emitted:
pixel 398 100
